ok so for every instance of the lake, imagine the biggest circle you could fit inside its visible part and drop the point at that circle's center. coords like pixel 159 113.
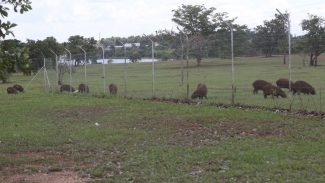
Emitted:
pixel 122 61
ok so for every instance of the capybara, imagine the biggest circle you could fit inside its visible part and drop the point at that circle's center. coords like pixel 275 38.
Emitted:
pixel 258 85
pixel 18 88
pixel 272 90
pixel 200 92
pixel 302 87
pixel 112 89
pixel 67 88
pixel 83 88
pixel 283 83
pixel 11 90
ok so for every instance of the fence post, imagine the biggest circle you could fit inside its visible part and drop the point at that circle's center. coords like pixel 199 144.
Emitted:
pixel 320 99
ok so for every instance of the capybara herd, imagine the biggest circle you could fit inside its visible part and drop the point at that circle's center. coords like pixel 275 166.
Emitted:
pixel 269 89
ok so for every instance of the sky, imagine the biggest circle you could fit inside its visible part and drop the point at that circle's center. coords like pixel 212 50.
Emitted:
pixel 122 18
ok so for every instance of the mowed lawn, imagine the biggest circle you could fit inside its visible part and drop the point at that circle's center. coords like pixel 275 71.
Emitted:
pixel 76 138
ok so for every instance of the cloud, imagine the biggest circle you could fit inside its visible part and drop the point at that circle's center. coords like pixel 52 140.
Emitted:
pixel 62 18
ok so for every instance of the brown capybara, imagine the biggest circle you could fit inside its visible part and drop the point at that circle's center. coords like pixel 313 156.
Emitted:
pixel 283 83
pixel 83 88
pixel 302 87
pixel 66 88
pixel 112 89
pixel 200 92
pixel 272 90
pixel 258 85
pixel 11 90
pixel 18 88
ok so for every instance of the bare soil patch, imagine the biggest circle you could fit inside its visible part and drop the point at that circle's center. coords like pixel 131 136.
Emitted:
pixel 199 133
pixel 54 177
pixel 47 167
pixel 82 113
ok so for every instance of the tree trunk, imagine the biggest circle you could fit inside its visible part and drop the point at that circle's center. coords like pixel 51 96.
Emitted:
pixel 303 60
pixel 311 61
pixel 198 61
pixel 284 58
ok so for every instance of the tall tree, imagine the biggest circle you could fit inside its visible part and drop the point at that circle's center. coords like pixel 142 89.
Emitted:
pixel 315 37
pixel 197 22
pixel 271 36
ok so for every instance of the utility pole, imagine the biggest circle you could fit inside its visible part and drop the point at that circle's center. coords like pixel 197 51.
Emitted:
pixel 187 72
pixel 70 69
pixel 289 48
pixel 56 64
pixel 182 57
pixel 232 63
pixel 125 69
pixel 85 63
pixel 289 44
pixel 104 70
pixel 152 66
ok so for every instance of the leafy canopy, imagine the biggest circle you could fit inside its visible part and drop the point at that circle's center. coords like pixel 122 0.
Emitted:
pixel 20 6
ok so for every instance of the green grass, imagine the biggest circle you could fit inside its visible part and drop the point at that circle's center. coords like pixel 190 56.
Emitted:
pixel 142 141
pixel 146 141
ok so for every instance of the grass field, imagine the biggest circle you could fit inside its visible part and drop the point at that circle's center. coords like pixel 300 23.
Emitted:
pixel 52 137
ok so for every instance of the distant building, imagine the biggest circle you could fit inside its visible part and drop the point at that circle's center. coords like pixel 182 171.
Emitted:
pixel 128 45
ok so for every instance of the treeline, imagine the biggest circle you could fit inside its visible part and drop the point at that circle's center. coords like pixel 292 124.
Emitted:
pixel 202 32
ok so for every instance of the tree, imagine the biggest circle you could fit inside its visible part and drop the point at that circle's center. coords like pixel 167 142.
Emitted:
pixel 88 44
pixel 272 36
pixel 13 56
pixel 8 54
pixel 315 37
pixel 197 22
pixel 20 6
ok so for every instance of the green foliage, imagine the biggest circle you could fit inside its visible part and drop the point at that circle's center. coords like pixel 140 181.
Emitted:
pixel 13 57
pixel 164 53
pixel 20 6
pixel 88 44
pixel 134 56
pixel 196 19
pixel 315 37
pixel 271 35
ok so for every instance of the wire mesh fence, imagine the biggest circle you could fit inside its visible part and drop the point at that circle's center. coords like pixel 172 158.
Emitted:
pixel 135 80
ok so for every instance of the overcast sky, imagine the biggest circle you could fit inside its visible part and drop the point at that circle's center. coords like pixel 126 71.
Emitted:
pixel 89 18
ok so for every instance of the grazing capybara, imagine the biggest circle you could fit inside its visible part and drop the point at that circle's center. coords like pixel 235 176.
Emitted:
pixel 112 89
pixel 66 88
pixel 283 83
pixel 200 92
pixel 18 88
pixel 83 88
pixel 258 85
pixel 11 90
pixel 302 87
pixel 272 90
